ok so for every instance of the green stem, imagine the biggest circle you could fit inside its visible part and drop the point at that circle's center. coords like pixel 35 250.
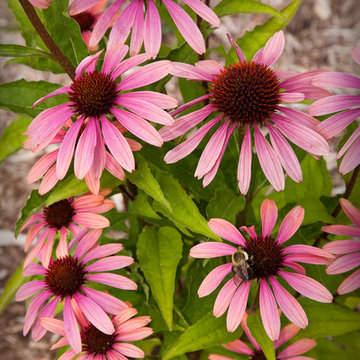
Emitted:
pixel 58 55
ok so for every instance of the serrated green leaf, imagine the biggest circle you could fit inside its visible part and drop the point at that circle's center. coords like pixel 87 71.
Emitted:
pixel 159 252
pixel 258 332
pixel 11 287
pixel 185 213
pixel 65 31
pixel 12 138
pixel 208 331
pixel 19 96
pixel 144 179
pixel 229 7
pixel 141 206
pixel 13 50
pixel 257 38
pixel 328 319
pixel 225 205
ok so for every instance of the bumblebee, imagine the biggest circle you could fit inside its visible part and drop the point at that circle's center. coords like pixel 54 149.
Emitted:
pixel 242 264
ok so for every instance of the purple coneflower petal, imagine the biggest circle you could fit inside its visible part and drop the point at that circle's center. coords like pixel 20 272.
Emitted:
pixel 355 54
pixel 114 280
pixel 352 158
pixel 244 166
pixel 190 72
pixel 211 249
pixel 110 263
pixel 152 35
pixel 92 220
pixel 113 167
pixel 102 251
pixel 213 279
pixel 161 100
pixel 308 258
pixel 137 33
pixel 348 143
pixel 42 166
pixel 49 181
pixel 351 211
pixel 47 248
pixel 291 97
pixel 297 348
pixel 36 249
pixel 79 6
pixel 88 65
pixel 241 56
pixel 286 154
pixel 113 57
pixel 269 311
pixel 34 230
pixel 286 333
pixel 333 104
pixel 54 325
pixel 135 335
pixel 209 66
pixel 269 161
pixel 289 305
pixel 273 48
pixel 269 213
pixel 351 283
pixel 227 231
pixel 342 230
pixel 62 90
pixel 224 298
pixel 204 11
pixel 34 269
pixel 344 263
pixel 307 286
pixel 189 104
pixel 129 350
pixel 117 145
pixel 186 26
pixel 342 246
pixel 239 347
pixel 336 79
pixel 29 289
pixel 71 327
pixel 249 230
pixel 297 267
pixel 290 224
pixel 307 249
pixel 128 64
pixel 237 306
pixel 300 117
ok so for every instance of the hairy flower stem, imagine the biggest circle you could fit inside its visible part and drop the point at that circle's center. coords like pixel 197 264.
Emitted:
pixel 59 56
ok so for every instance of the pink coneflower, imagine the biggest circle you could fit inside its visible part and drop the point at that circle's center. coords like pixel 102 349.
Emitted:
pixel 148 30
pixel 102 346
pixel 66 279
pixel 264 258
pixel 347 252
pixel 72 214
pixel 87 19
pixel 46 166
pixel 92 97
pixel 338 122
pixel 247 95
pixel 291 352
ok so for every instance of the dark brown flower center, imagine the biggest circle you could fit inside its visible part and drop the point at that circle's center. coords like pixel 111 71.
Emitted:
pixel 85 20
pixel 95 341
pixel 265 257
pixel 59 214
pixel 258 355
pixel 65 276
pixel 93 94
pixel 246 92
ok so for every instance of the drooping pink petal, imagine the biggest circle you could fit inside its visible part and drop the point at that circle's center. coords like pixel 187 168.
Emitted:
pixel 342 246
pixel 239 52
pixel 290 224
pixel 34 269
pixel 273 49
pixel 302 136
pixel 291 97
pixel 250 230
pixel 190 72
pixel 308 258
pixel 102 251
pixel 333 104
pixel 226 230
pixel 307 249
pixel 300 117
pixel 117 145
pixel 348 143
pixel 336 79
pixel 289 305
pixel 36 249
pixel 113 56
pixel 237 306
pixel 54 325
pixel 344 263
pixel 186 26
pixel 137 334
pixel 32 219
pixel 88 65
pixel 286 333
pixel 138 126
pixel 137 34
pixel 213 279
pixel 239 347
pixel 351 283
pixel 152 34
pixel 224 297
pixel 79 6
pixel 129 350
pixel 42 166
pixel 286 154
pixel 297 348
pixel 307 286
pixel 49 181
pixel 269 311
pixel 47 249
pixel 248 333
pixel 113 167
pixel 161 100
pixel 209 66
pixel 211 249
pixel 124 315
pixel 62 248
pixel 110 263
pixel 342 230
pixel 244 166
pixel 146 75
pixel 114 280
pixel 269 162
pixel 351 159
pixel 269 213
pixel 62 90
pixel 86 240
pixel 351 211
pixel 29 289
pixel 129 64
pixel 71 327
pixel 204 11
pixel 33 232
pixel 94 313
pixel 292 265
pixel 189 104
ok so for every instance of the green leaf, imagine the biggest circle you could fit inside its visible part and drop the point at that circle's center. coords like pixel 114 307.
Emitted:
pixel 19 96
pixel 13 50
pixel 328 319
pixel 258 332
pixel 141 206
pixel 257 38
pixel 38 63
pixel 12 138
pixel 208 331
pixel 185 213
pixel 11 287
pixel 159 253
pixel 225 205
pixel 65 31
pixel 229 7
pixel 144 179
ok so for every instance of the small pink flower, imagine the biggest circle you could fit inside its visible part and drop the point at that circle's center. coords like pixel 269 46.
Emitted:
pixel 67 279
pixel 247 95
pixel 347 252
pixel 291 352
pixel 349 105
pixel 264 258
pixel 147 30
pixel 92 97
pixel 99 345
pixel 72 214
